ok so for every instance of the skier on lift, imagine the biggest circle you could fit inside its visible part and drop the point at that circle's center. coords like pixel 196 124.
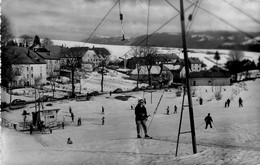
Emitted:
pixel 140 118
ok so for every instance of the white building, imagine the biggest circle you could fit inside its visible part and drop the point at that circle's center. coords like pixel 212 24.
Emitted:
pixel 27 67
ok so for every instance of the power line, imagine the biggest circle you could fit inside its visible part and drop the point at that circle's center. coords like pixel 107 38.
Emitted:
pixel 156 31
pixel 148 17
pixel 255 20
pixel 221 19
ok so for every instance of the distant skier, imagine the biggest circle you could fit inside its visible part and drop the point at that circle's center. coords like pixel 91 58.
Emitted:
pixel 201 101
pixel 175 109
pixel 168 110
pixel 110 93
pixel 31 129
pixel 240 101
pixel 72 117
pixel 140 118
pixel 208 121
pixel 103 110
pixel 132 107
pixel 69 141
pixel 70 110
pixel 79 121
pixel 62 125
pixel 228 102
pixel 103 120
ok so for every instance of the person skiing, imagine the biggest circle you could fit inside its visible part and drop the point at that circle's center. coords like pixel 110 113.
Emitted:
pixel 72 117
pixel 240 101
pixel 103 120
pixel 228 102
pixel 62 125
pixel 208 121
pixel 103 111
pixel 175 109
pixel 31 129
pixel 168 110
pixel 70 110
pixel 79 121
pixel 69 141
pixel 140 118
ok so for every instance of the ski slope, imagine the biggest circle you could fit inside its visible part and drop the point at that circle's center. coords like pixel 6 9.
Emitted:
pixel 234 138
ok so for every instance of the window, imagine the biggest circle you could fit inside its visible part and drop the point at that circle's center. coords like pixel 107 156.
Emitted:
pixel 32 75
pixel 27 76
pixel 27 68
pixel 31 68
pixel 40 74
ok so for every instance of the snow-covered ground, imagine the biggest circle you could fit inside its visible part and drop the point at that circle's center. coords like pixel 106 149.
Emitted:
pixel 234 138
pixel 120 51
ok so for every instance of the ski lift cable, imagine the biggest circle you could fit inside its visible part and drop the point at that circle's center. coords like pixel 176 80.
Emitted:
pixel 97 26
pixel 194 12
pixel 154 113
pixel 255 20
pixel 172 6
pixel 224 21
pixel 147 28
pixel 121 21
pixel 157 30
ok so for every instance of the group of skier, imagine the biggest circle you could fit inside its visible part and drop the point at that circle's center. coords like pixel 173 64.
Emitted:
pixel 240 102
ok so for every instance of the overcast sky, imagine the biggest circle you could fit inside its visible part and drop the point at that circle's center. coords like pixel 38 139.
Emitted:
pixel 76 19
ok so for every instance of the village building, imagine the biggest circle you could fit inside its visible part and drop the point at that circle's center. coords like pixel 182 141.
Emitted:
pixel 51 55
pixel 27 66
pixel 213 77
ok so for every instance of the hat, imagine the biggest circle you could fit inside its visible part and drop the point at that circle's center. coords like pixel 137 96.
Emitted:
pixel 140 101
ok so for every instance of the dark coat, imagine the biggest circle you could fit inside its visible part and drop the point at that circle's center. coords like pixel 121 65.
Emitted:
pixel 208 119
pixel 140 112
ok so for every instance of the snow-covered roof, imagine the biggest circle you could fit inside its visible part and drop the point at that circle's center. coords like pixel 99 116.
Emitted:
pixel 154 70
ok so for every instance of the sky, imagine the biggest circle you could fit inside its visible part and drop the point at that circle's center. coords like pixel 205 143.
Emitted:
pixel 76 19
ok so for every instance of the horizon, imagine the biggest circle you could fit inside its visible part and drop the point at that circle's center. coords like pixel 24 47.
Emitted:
pixel 66 20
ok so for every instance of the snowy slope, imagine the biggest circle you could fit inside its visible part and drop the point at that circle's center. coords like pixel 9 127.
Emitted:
pixel 120 51
pixel 234 138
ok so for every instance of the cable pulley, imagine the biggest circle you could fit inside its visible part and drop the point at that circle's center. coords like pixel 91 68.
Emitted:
pixel 121 21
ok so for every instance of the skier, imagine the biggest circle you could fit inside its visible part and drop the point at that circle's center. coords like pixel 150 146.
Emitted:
pixel 103 111
pixel 140 118
pixel 103 120
pixel 62 125
pixel 72 117
pixel 69 141
pixel 31 129
pixel 168 110
pixel 228 102
pixel 110 93
pixel 201 101
pixel 240 101
pixel 70 110
pixel 132 107
pixel 208 121
pixel 79 121
pixel 175 109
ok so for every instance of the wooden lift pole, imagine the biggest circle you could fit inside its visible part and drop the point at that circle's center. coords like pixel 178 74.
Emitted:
pixel 193 136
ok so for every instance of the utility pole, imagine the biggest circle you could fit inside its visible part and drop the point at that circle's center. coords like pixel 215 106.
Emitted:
pixel 193 136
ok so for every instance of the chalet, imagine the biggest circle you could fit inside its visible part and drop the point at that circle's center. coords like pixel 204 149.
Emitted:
pixel 143 73
pixel 89 58
pixel 27 65
pixel 51 55
pixel 213 77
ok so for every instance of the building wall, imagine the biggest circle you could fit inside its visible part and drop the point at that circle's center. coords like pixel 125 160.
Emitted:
pixel 28 72
pixel 209 81
pixel 91 56
pixel 52 66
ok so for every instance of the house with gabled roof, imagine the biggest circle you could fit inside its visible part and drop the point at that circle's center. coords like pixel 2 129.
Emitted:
pixel 51 55
pixel 27 65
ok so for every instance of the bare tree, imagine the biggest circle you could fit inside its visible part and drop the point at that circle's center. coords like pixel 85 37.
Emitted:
pixel 47 41
pixel 150 60
pixel 6 32
pixel 72 62
pixel 235 55
pixel 53 79
pixel 26 39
